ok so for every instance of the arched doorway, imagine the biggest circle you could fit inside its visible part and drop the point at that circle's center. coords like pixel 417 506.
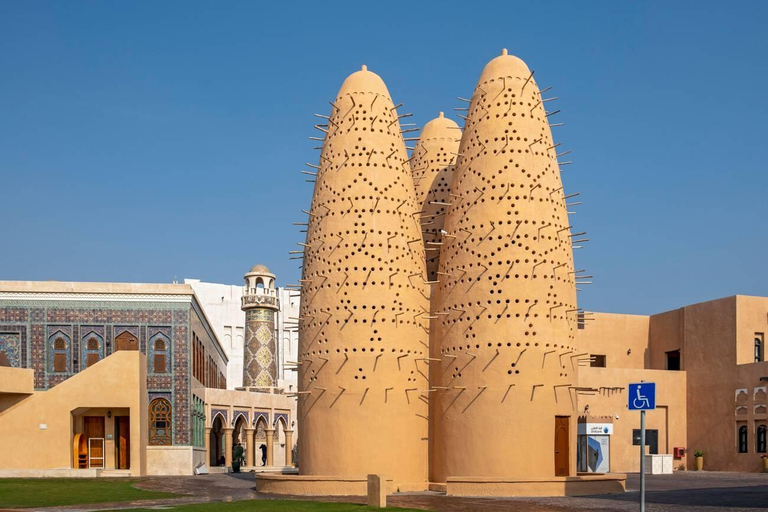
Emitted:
pixel 260 442
pixel 216 442
pixel 238 435
pixel 280 448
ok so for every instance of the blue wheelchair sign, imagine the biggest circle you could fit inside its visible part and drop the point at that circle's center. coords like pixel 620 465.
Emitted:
pixel 642 396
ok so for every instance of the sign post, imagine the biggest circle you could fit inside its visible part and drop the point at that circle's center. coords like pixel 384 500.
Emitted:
pixel 642 397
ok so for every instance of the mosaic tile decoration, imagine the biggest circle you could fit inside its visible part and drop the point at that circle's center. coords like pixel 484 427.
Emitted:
pixel 37 345
pixel 13 315
pixel 181 380
pixel 240 414
pixel 90 332
pixel 281 416
pixel 224 414
pixel 159 334
pixel 120 329
pixel 159 383
pixel 33 322
pixel 21 332
pixel 258 415
pixel 143 339
pixel 152 396
pixel 56 332
pixel 10 346
pixel 260 364
pixel 76 349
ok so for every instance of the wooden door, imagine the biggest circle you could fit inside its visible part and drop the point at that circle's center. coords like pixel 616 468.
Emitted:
pixel 562 446
pixel 123 445
pixel 126 341
pixel 93 427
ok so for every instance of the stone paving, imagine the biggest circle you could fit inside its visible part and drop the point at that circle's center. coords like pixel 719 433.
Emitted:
pixel 681 492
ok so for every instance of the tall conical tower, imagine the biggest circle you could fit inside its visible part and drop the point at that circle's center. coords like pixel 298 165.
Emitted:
pixel 432 169
pixel 505 405
pixel 260 350
pixel 363 333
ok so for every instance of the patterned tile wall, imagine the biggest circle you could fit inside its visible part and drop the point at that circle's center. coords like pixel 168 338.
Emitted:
pixel 28 324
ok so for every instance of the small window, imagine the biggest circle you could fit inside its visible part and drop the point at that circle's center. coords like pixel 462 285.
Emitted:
pixel 759 347
pixel 597 360
pixel 159 353
pixel 126 341
pixel 761 432
pixel 59 356
pixel 91 359
pixel 159 363
pixel 59 362
pixel 673 360
pixel 743 439
pixel 92 350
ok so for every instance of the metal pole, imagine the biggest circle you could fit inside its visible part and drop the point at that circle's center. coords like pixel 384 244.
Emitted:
pixel 642 461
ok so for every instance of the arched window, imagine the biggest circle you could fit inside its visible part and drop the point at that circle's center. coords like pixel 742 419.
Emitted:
pixel 60 359
pixel 126 341
pixel 743 439
pixel 759 352
pixel 93 349
pixel 761 432
pixel 160 423
pixel 159 353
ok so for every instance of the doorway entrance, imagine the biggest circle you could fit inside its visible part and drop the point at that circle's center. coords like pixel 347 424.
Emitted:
pixel 562 446
pixel 217 450
pixel 651 439
pixel 93 431
pixel 123 444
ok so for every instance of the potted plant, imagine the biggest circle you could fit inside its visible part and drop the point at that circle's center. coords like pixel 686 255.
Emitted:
pixel 699 459
pixel 237 458
pixel 765 463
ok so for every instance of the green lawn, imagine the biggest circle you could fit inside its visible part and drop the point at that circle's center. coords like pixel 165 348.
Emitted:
pixel 273 506
pixel 52 492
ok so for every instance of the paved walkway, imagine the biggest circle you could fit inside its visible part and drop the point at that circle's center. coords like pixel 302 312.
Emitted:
pixel 681 492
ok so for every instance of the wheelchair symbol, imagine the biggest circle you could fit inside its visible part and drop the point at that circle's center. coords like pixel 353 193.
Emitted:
pixel 641 401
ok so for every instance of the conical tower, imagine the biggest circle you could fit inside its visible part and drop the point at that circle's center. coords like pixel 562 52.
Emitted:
pixel 432 169
pixel 506 301
pixel 364 309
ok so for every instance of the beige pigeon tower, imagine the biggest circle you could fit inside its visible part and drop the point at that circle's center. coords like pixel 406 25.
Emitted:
pixel 506 303
pixel 432 169
pixel 363 337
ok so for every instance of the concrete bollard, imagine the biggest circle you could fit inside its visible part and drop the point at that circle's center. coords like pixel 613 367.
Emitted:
pixel 377 491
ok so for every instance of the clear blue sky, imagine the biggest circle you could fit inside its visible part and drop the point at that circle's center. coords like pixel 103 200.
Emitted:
pixel 145 140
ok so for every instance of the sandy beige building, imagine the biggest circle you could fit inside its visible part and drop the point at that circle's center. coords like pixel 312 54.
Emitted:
pixel 708 361
pixel 116 379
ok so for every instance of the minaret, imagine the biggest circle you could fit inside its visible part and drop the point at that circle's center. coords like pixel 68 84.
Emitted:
pixel 432 169
pixel 260 351
pixel 363 339
pixel 506 300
